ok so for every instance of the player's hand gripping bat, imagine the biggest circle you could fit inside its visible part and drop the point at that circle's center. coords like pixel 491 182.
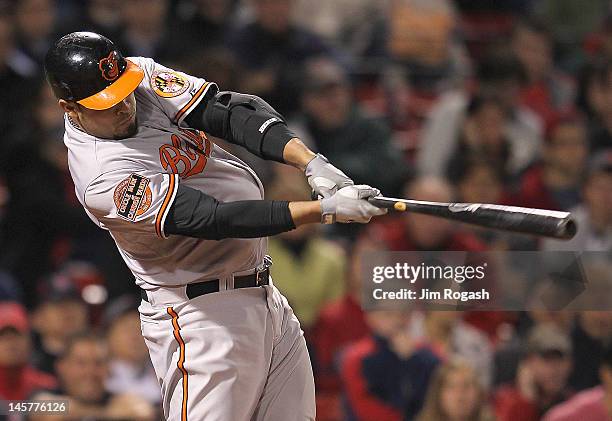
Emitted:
pixel 509 218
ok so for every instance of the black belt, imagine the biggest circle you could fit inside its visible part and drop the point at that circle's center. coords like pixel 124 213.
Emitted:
pixel 196 289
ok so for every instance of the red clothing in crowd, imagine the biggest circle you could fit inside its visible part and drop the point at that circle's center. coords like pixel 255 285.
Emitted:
pixel 382 385
pixel 366 406
pixel 533 193
pixel 339 324
pixel 18 383
pixel 537 98
pixel 489 321
pixel 548 98
pixel 587 405
pixel 511 405
pixel 396 238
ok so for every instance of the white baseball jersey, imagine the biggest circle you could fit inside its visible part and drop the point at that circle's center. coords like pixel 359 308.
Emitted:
pixel 127 186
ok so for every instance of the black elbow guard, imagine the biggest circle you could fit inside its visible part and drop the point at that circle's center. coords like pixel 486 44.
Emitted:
pixel 244 120
pixel 263 133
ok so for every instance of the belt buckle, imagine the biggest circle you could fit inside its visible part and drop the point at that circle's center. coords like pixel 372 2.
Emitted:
pixel 263 270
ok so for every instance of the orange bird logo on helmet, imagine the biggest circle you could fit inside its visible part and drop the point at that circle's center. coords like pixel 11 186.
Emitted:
pixel 109 67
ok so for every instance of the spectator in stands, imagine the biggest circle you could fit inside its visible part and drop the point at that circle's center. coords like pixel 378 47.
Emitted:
pixel 341 322
pixel 37 27
pixel 499 75
pixel 48 130
pixel 486 24
pixel 593 404
pixel 10 290
pixel 601 126
pixel 455 394
pixel 355 26
pixel 594 215
pixel 548 91
pixel 448 336
pixel 334 125
pixel 208 24
pixel 386 375
pixel 424 232
pixel 18 379
pixel 541 381
pixel 555 182
pixel 61 313
pixel 130 367
pixel 593 329
pixel 301 251
pixel 478 181
pixel 37 242
pixel 570 24
pixel 482 137
pixel 16 81
pixel 606 36
pixel 597 268
pixel 82 372
pixel 421 38
pixel 103 17
pixel 589 98
pixel 149 34
pixel 272 50
pixel 510 349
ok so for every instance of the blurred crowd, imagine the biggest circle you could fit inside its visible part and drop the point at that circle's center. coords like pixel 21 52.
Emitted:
pixel 506 102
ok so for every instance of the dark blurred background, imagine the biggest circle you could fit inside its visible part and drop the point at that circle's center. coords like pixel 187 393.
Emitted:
pixel 504 102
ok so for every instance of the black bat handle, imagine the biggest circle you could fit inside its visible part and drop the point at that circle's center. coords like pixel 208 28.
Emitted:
pixel 387 203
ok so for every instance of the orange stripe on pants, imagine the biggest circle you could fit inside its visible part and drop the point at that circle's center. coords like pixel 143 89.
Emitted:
pixel 181 360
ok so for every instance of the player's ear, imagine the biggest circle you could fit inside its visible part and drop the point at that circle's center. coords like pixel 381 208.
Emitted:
pixel 70 108
pixel 67 106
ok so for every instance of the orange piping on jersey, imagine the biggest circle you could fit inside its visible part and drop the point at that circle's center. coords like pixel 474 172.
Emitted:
pixel 183 110
pixel 181 361
pixel 164 206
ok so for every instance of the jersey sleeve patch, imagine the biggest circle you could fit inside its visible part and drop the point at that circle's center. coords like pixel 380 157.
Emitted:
pixel 132 197
pixel 168 84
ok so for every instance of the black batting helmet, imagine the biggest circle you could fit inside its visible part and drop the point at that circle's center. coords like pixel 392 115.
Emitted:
pixel 87 68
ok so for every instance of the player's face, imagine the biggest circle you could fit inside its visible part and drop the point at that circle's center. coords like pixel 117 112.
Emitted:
pixel 117 122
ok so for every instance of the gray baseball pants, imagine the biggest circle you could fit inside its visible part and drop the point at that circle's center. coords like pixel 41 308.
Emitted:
pixel 236 355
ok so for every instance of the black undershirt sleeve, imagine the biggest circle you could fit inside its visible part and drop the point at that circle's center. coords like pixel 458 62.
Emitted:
pixel 244 120
pixel 196 214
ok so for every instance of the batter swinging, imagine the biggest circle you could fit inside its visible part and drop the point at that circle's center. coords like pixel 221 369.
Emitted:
pixel 190 221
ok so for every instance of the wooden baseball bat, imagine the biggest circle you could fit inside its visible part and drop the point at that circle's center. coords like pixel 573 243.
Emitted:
pixel 542 222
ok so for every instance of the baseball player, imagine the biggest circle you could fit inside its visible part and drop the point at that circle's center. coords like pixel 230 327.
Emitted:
pixel 190 222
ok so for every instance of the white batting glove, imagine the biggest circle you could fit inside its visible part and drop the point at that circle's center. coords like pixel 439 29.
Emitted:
pixel 324 178
pixel 349 204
